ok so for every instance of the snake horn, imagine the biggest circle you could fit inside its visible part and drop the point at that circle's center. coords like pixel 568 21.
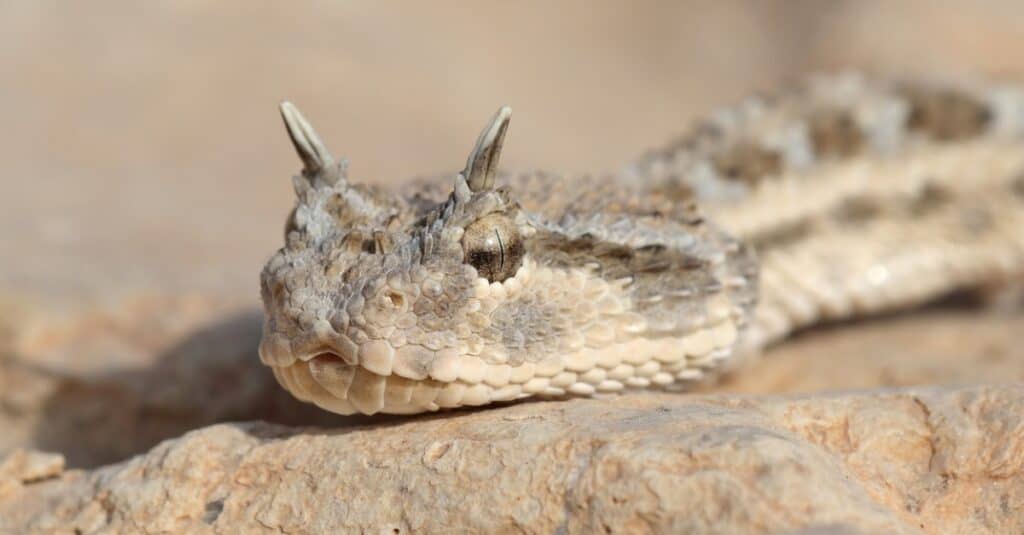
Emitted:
pixel 316 159
pixel 482 164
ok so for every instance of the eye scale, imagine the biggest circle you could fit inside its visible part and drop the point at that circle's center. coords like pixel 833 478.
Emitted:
pixel 486 251
pixel 480 287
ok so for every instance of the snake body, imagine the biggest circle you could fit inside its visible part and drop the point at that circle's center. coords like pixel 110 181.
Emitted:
pixel 842 197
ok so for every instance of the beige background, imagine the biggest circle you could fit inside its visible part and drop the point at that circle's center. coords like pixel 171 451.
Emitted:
pixel 141 145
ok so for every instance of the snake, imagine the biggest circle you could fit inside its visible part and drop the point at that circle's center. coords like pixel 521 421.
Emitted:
pixel 841 196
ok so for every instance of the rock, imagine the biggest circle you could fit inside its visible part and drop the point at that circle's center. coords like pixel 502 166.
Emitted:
pixel 108 382
pixel 111 381
pixel 21 467
pixel 907 461
pixel 129 304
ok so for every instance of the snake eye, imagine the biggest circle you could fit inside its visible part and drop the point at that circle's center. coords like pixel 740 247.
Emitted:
pixel 493 246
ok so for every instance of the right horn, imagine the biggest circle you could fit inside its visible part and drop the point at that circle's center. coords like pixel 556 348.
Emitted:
pixel 482 164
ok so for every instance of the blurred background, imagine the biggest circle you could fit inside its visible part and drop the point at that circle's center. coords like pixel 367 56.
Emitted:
pixel 141 146
pixel 146 173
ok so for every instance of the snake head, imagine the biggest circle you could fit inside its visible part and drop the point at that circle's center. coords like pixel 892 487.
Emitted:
pixel 371 286
pixel 399 304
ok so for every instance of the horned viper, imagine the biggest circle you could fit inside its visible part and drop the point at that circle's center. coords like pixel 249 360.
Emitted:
pixel 841 197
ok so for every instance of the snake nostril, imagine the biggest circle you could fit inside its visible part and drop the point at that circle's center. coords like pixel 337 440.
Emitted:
pixel 395 299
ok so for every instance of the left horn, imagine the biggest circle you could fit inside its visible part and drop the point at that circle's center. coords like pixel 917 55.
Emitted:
pixel 316 159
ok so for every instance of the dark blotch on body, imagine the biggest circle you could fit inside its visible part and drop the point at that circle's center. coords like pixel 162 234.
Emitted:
pixel 834 133
pixel 930 198
pixel 748 163
pixel 781 237
pixel 614 260
pixel 947 115
pixel 856 210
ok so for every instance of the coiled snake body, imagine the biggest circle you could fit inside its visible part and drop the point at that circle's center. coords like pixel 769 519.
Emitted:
pixel 843 197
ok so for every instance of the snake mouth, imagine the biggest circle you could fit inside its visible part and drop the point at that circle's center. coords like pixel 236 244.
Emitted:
pixel 278 349
pixel 328 361
pixel 327 379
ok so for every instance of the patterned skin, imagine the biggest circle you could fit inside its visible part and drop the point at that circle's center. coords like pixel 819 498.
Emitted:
pixel 858 196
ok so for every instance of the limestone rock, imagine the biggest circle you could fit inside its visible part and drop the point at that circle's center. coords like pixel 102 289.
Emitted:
pixel 108 382
pixel 152 367
pixel 104 352
pixel 22 466
pixel 908 461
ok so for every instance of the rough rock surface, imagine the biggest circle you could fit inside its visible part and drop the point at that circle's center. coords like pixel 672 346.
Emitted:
pixel 22 467
pixel 905 461
pixel 113 381
pixel 145 174
pixel 151 368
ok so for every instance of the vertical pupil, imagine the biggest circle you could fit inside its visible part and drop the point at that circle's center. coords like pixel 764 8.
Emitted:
pixel 501 249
